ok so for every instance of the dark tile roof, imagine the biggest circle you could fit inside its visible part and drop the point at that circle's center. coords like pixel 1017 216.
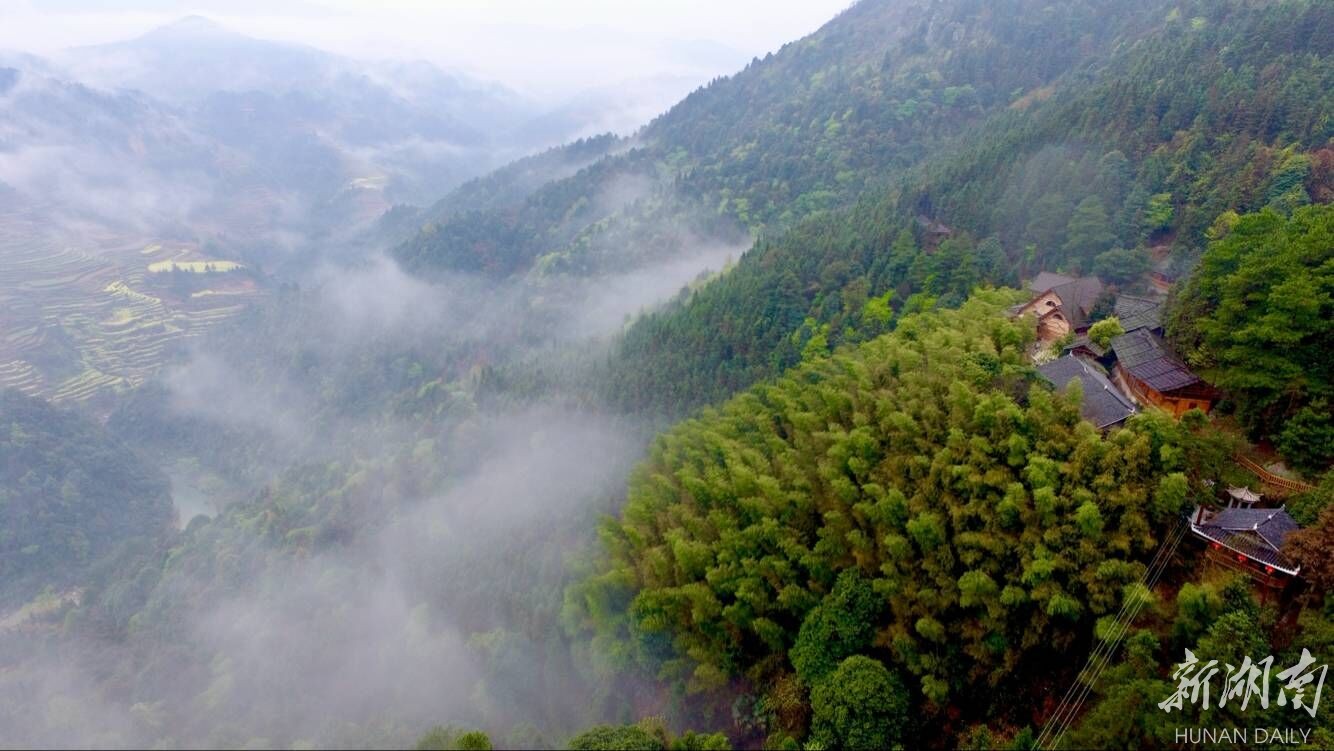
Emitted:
pixel 1077 298
pixel 1082 341
pixel 1147 357
pixel 1045 280
pixel 1257 533
pixel 1104 405
pixel 1139 312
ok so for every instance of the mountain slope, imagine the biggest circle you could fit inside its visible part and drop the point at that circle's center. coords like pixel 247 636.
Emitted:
pixel 196 142
pixel 804 130
pixel 70 495
pixel 1221 108
pixel 889 542
pixel 920 500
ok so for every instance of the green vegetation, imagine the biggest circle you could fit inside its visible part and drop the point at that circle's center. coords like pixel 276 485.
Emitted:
pixel 861 705
pixel 1103 332
pixel 511 184
pixel 647 735
pixel 70 496
pixel 879 527
pixel 1219 617
pixel 1169 133
pixel 440 738
pixel 803 131
pixel 82 325
pixel 915 501
pixel 1256 319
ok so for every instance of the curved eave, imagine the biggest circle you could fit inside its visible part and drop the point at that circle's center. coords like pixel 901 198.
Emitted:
pixel 1201 533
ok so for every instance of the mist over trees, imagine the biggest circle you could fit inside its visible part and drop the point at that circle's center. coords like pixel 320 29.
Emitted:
pixel 715 434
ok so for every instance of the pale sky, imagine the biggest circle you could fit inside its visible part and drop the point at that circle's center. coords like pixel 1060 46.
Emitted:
pixel 542 47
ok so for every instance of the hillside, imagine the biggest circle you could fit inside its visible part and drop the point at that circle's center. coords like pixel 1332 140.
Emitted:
pixel 1119 166
pixel 805 130
pixel 196 144
pixel 920 499
pixel 721 434
pixel 70 495
pixel 914 541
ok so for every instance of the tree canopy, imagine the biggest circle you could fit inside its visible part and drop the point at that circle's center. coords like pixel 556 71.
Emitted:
pixel 917 500
pixel 1256 318
pixel 70 494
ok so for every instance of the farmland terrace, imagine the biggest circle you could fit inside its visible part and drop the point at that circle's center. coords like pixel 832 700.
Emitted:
pixel 77 321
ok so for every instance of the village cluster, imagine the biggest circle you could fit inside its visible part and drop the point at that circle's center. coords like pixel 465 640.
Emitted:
pixel 1136 369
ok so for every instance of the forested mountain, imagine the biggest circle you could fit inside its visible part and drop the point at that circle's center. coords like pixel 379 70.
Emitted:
pixel 512 184
pixel 804 130
pixel 1117 166
pixel 228 138
pixel 260 115
pixel 1140 161
pixel 920 499
pixel 877 526
pixel 70 496
pixel 1256 317
pixel 194 145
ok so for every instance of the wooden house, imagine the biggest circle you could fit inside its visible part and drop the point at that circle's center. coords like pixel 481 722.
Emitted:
pixel 1161 276
pixel 1062 305
pixel 1249 540
pixel 1148 371
pixel 1133 312
pixel 933 232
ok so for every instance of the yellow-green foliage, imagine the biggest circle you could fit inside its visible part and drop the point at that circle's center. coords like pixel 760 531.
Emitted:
pixel 988 517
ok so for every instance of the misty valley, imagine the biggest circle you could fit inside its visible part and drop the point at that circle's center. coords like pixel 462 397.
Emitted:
pixel 942 377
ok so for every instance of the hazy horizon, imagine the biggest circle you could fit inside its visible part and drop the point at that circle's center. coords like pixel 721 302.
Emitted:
pixel 543 51
pixel 602 374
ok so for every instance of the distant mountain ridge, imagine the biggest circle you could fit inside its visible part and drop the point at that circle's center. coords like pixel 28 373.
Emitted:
pixel 1222 107
pixel 266 116
pixel 216 145
pixel 805 130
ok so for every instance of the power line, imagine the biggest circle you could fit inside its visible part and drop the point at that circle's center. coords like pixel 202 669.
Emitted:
pixel 1124 629
pixel 1065 700
pixel 1060 720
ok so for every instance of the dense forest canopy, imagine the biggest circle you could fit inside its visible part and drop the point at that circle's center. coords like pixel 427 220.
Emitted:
pixel 804 130
pixel 1121 164
pixel 920 501
pixel 721 434
pixel 70 495
pixel 1256 317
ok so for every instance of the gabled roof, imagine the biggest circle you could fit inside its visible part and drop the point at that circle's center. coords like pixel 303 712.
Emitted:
pixel 1082 341
pixel 1104 405
pixel 1139 312
pixel 1146 357
pixel 1258 534
pixel 1078 297
pixel 1045 280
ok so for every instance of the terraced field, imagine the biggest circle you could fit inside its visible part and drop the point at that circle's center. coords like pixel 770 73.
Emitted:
pixel 78 321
